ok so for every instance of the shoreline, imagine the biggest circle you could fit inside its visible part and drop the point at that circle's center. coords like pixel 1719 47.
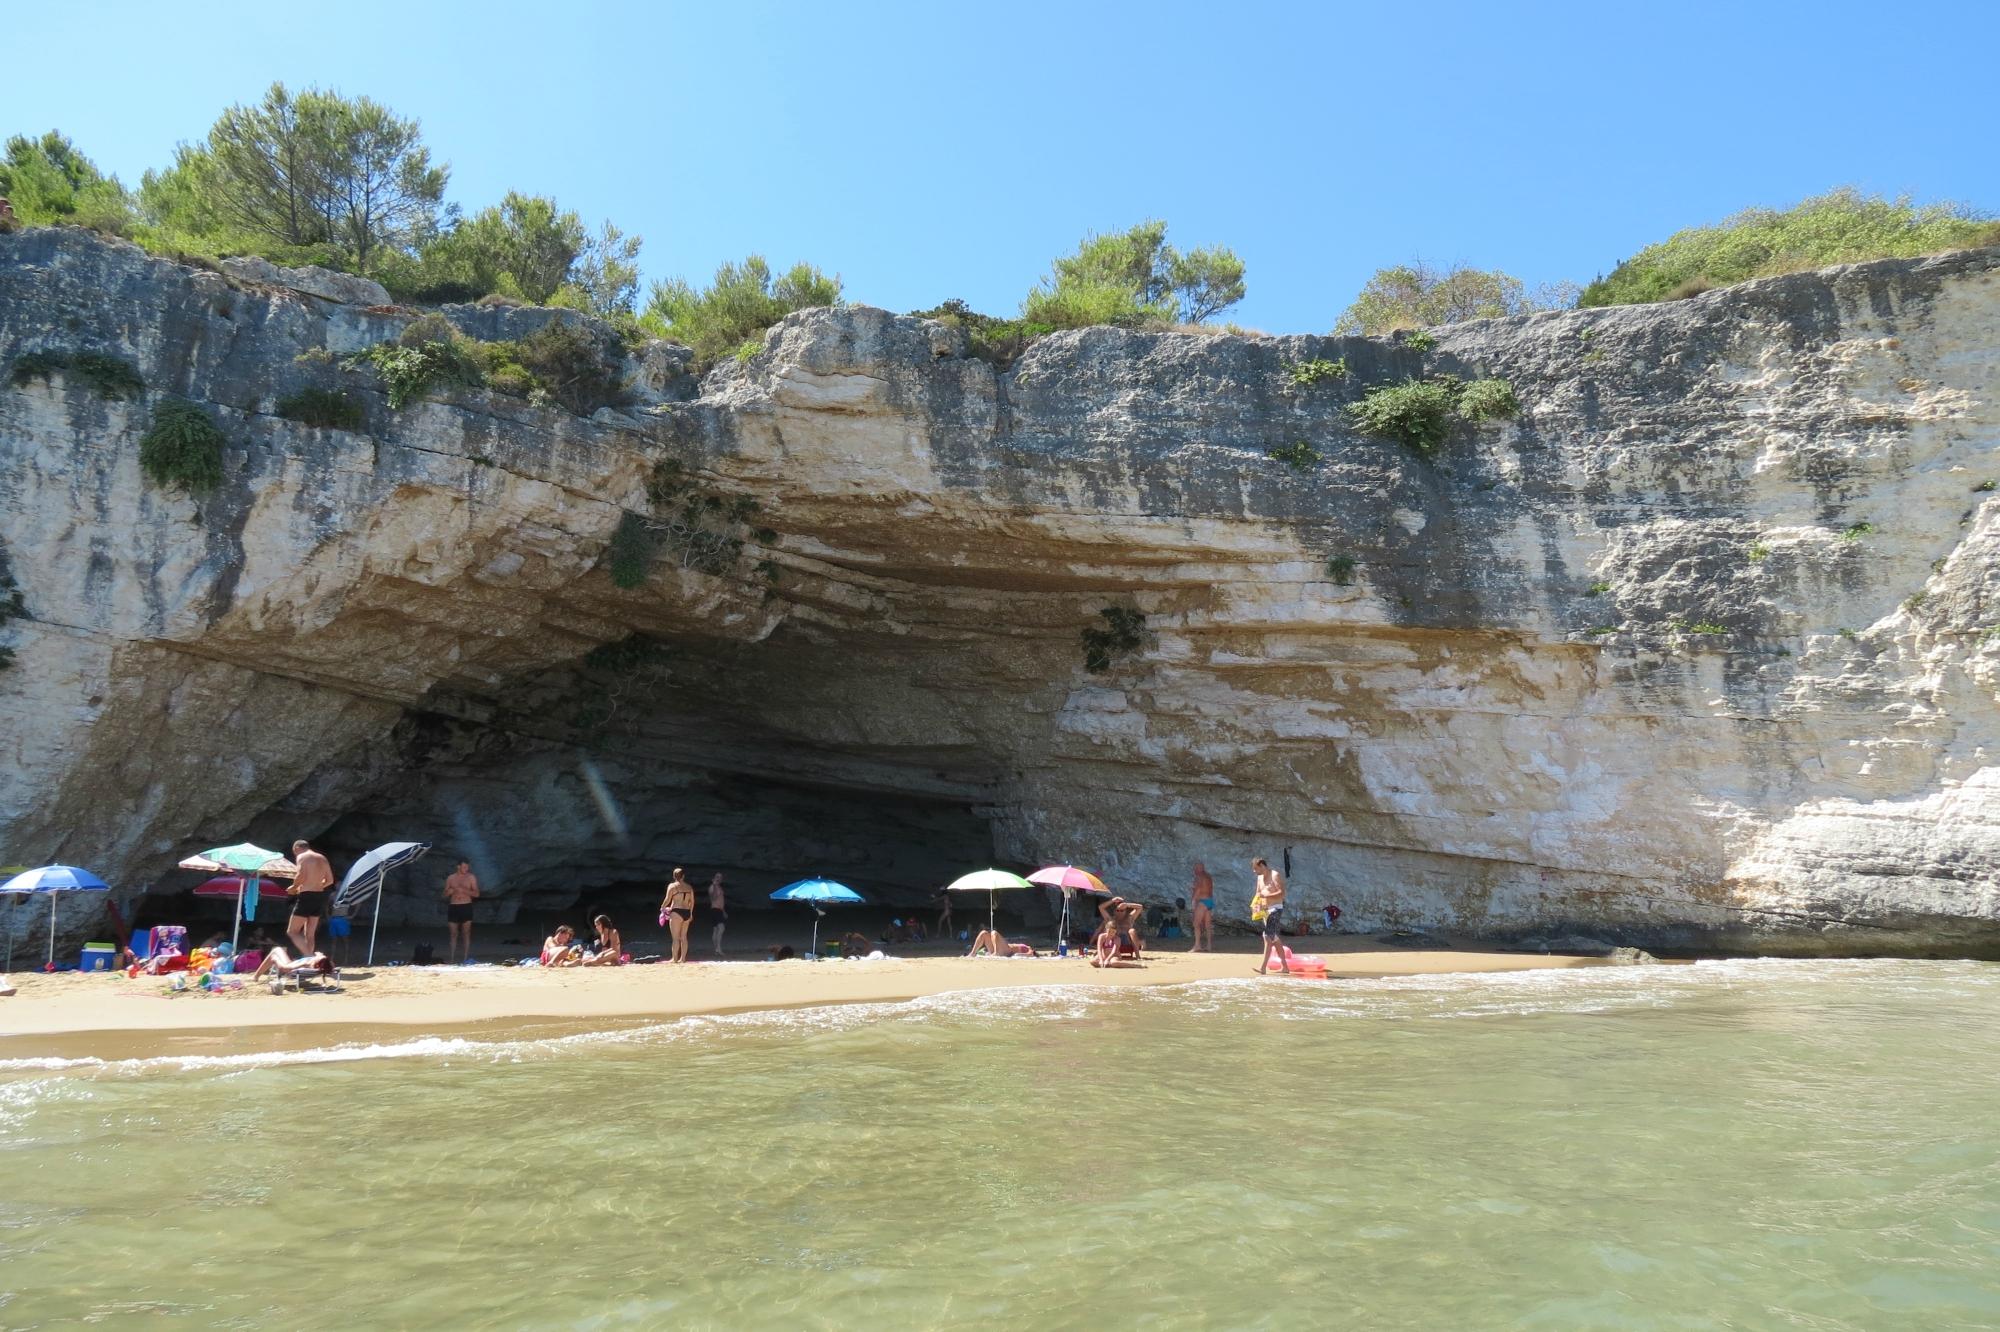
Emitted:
pixel 71 1015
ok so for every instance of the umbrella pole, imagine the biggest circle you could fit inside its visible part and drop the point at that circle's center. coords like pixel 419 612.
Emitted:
pixel 236 926
pixel 52 929
pixel 381 883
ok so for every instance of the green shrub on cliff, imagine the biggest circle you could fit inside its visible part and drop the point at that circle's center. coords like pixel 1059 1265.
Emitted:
pixel 323 408
pixel 1124 633
pixel 111 377
pixel 1421 412
pixel 742 301
pixel 428 353
pixel 630 554
pixel 1418 412
pixel 560 361
pixel 1841 227
pixel 182 447
pixel 1488 400
pixel 988 337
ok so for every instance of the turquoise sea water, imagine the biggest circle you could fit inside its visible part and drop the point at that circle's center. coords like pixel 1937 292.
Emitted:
pixel 1796 1145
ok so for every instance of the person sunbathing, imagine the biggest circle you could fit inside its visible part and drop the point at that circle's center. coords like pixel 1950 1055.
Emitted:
pixel 998 945
pixel 561 949
pixel 856 944
pixel 610 948
pixel 281 963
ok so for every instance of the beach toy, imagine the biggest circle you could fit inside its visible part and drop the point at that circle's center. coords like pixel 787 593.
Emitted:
pixel 1306 964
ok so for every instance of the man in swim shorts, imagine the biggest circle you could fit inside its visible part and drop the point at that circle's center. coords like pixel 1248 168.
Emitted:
pixel 1270 904
pixel 315 876
pixel 718 906
pixel 461 889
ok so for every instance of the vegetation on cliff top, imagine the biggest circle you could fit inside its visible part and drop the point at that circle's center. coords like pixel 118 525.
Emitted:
pixel 316 178
pixel 1840 227
pixel 344 182
pixel 1135 279
pixel 1408 296
pixel 744 300
pixel 558 363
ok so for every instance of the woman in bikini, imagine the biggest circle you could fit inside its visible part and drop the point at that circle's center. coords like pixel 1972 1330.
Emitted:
pixel 678 907
pixel 610 948
pixel 1204 910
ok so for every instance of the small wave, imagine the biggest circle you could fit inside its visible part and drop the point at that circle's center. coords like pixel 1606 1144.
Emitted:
pixel 1447 994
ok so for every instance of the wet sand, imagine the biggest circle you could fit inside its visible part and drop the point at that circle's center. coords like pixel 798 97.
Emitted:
pixel 72 1014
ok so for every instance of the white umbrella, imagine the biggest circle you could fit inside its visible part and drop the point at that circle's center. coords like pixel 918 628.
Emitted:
pixel 364 879
pixel 988 881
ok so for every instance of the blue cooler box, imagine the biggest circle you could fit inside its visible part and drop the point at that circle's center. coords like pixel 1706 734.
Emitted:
pixel 98 956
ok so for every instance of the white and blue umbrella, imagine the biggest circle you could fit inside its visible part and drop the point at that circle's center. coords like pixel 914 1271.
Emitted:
pixel 364 880
pixel 52 879
pixel 819 892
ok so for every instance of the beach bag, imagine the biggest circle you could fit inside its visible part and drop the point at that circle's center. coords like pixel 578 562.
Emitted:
pixel 424 956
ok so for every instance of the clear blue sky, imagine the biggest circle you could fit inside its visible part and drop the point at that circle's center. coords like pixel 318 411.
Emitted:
pixel 930 150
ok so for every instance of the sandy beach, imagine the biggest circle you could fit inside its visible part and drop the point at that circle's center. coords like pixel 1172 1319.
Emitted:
pixel 71 1014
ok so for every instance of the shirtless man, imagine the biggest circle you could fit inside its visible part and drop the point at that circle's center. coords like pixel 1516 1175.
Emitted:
pixel 1204 910
pixel 308 893
pixel 460 890
pixel 718 904
pixel 1270 904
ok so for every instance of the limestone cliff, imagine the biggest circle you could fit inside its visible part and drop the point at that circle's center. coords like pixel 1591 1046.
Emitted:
pixel 1694 652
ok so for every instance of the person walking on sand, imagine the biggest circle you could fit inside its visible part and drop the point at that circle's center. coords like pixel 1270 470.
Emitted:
pixel 718 906
pixel 943 930
pixel 1269 906
pixel 1204 910
pixel 308 894
pixel 461 887
pixel 677 909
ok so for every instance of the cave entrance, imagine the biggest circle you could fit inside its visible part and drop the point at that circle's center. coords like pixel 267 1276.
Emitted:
pixel 560 835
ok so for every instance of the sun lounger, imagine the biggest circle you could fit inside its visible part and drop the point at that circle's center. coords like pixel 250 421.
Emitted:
pixel 316 969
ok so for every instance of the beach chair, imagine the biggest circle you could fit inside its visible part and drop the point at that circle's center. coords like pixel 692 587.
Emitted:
pixel 317 971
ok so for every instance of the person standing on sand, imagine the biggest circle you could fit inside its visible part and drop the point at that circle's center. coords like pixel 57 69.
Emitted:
pixel 460 889
pixel 678 909
pixel 308 893
pixel 943 930
pixel 719 905
pixel 1269 903
pixel 1204 910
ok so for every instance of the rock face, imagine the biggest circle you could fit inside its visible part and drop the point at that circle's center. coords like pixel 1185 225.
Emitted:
pixel 1692 654
pixel 341 288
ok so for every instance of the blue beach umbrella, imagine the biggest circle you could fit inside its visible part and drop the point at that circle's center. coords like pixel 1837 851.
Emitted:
pixel 53 879
pixel 819 892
